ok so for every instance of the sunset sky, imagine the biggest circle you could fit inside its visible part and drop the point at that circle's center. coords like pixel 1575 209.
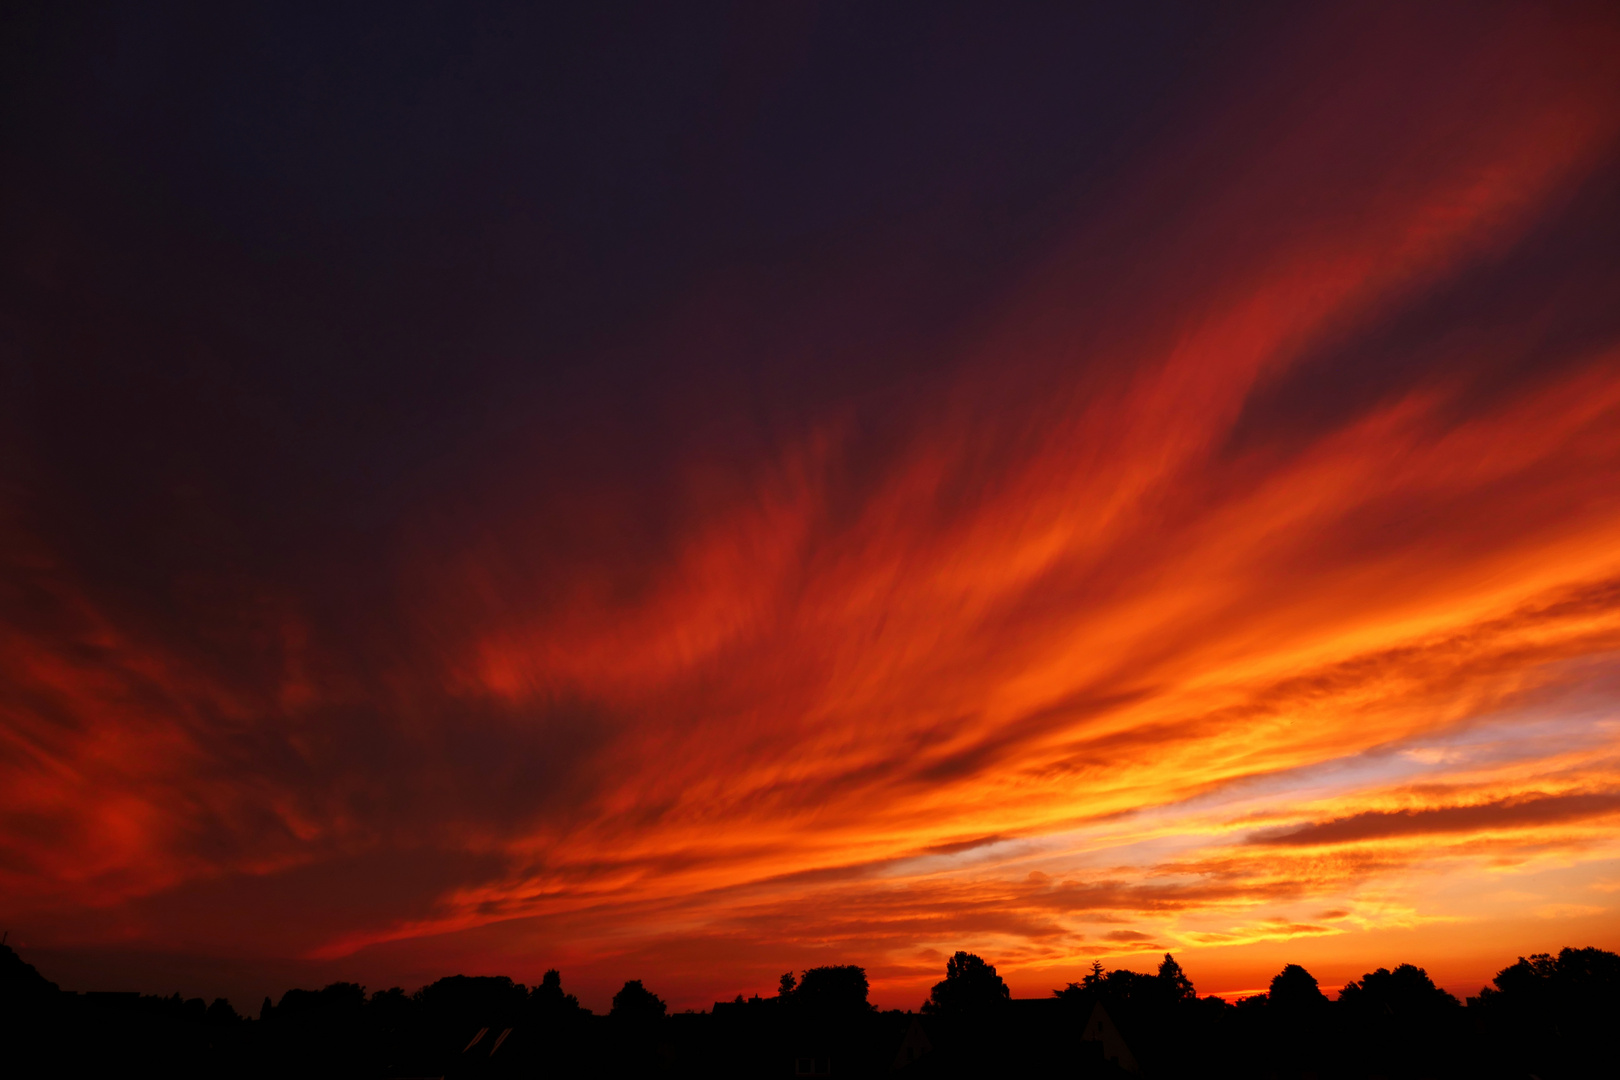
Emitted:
pixel 685 493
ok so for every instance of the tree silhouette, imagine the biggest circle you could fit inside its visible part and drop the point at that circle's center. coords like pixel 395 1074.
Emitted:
pixel 1397 1019
pixel 1575 975
pixel 1118 988
pixel 19 981
pixel 549 998
pixel 1554 1016
pixel 221 1013
pixel 1405 992
pixel 785 985
pixel 1173 982
pixel 840 989
pixel 635 1002
pixel 970 987
pixel 474 1000
pixel 1293 989
pixel 1550 1016
pixel 336 1002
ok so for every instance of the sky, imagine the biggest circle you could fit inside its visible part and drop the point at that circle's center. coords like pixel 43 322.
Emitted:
pixel 688 492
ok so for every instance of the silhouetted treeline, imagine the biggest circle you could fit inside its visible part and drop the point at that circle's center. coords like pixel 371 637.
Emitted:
pixel 1544 1016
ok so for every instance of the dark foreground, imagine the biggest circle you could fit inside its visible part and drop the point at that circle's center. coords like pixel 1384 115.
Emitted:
pixel 1549 1017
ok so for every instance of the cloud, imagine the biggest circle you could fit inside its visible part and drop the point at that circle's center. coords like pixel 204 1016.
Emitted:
pixel 1516 813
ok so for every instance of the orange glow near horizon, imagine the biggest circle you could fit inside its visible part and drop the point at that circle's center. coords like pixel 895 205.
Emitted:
pixel 1085 662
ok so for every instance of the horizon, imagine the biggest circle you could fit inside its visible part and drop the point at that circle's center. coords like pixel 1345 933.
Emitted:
pixel 683 495
pixel 1330 990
